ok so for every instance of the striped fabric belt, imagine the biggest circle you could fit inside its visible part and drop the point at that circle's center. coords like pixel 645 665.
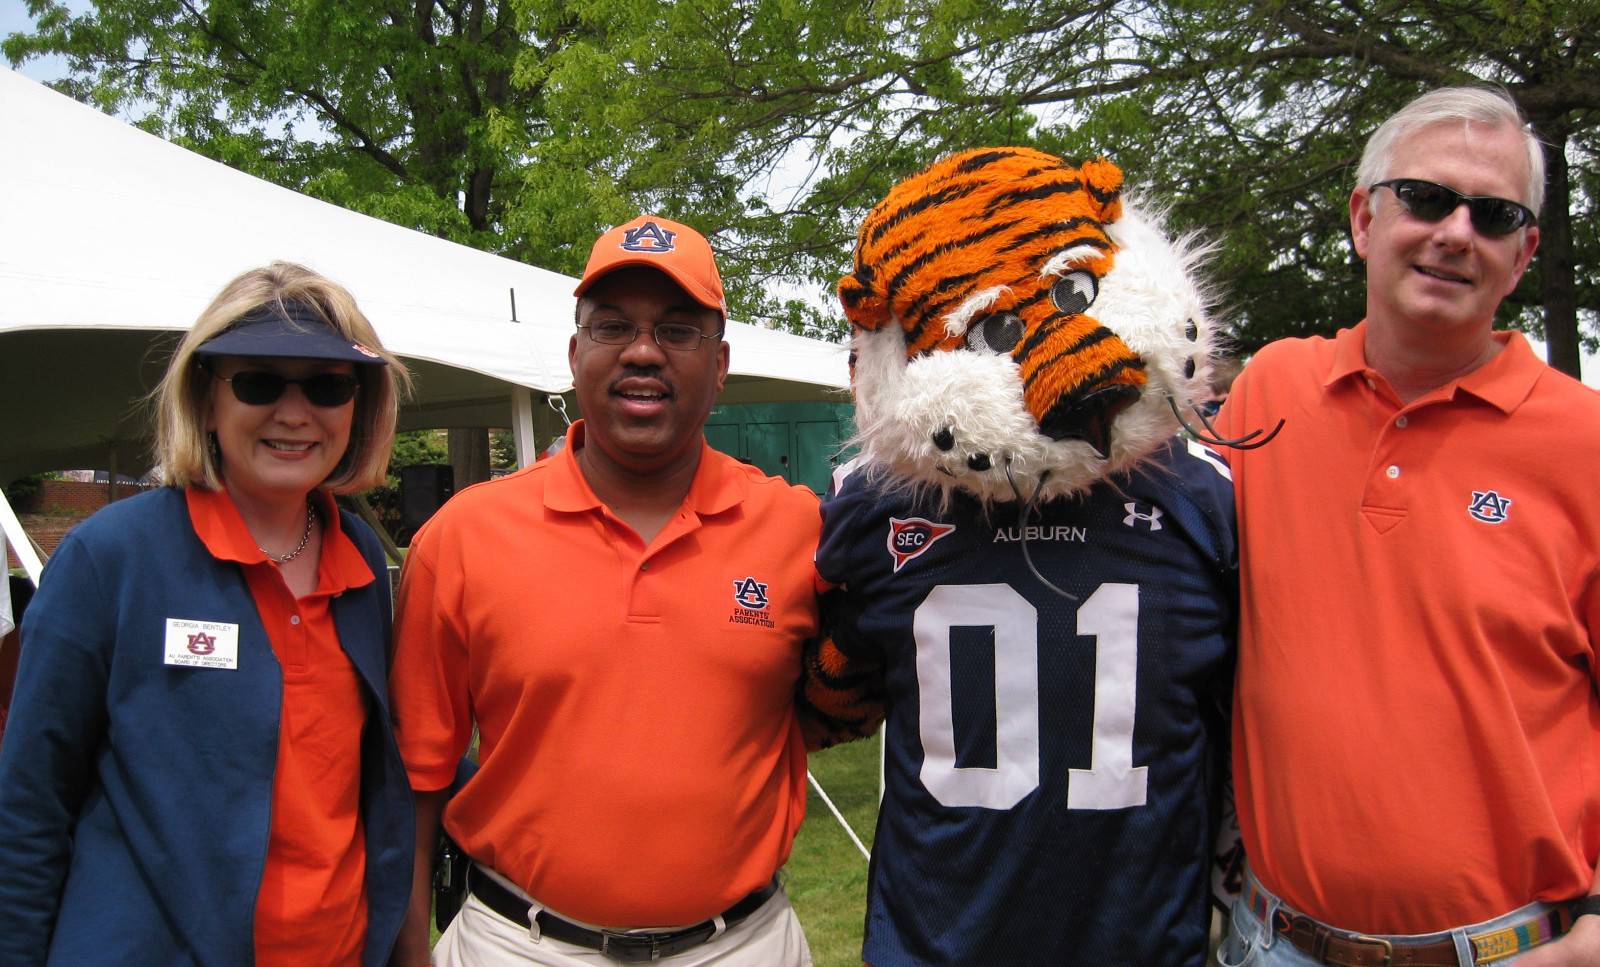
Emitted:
pixel 1345 949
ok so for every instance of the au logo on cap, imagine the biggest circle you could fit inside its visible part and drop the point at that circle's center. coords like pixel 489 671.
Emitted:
pixel 648 237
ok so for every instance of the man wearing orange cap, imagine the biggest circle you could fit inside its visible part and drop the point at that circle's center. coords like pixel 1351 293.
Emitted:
pixel 622 624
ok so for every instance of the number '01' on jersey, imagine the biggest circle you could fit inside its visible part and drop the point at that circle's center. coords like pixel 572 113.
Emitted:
pixel 1051 763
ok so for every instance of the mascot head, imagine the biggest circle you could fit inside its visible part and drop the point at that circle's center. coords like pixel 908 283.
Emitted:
pixel 1020 328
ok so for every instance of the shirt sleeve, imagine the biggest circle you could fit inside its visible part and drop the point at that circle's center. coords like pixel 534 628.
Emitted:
pixel 1228 418
pixel 56 722
pixel 429 682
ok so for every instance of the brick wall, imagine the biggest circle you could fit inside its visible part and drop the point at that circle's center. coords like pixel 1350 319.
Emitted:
pixel 55 506
pixel 70 496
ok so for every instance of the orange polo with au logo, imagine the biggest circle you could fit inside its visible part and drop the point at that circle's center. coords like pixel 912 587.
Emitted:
pixel 1416 724
pixel 641 764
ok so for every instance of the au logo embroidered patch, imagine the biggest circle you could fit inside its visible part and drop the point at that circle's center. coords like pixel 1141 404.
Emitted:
pixel 750 593
pixel 751 604
pixel 1489 507
pixel 911 536
pixel 648 237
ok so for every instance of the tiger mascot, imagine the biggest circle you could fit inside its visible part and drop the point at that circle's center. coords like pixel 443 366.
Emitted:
pixel 1035 571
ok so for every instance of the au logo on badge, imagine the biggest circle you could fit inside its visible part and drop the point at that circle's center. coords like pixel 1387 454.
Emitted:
pixel 202 644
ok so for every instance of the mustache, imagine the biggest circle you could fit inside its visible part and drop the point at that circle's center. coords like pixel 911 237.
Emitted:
pixel 634 371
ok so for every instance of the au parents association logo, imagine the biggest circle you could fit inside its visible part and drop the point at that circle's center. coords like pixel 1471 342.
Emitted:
pixel 751 606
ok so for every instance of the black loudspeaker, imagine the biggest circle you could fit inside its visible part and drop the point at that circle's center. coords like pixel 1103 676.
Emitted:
pixel 423 490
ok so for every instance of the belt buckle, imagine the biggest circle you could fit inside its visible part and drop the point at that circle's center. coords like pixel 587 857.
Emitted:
pixel 1388 948
pixel 630 948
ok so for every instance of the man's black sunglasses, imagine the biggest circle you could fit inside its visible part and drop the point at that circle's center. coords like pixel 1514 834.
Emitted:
pixel 1432 202
pixel 255 387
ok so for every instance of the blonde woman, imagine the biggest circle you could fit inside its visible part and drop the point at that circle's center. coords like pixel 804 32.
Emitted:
pixel 199 768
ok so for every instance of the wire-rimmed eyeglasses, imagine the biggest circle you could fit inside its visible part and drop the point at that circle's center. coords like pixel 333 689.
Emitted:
pixel 676 336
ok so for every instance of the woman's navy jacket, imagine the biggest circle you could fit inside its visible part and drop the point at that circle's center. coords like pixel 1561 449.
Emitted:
pixel 136 796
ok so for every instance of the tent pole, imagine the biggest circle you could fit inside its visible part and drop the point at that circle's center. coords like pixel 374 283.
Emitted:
pixel 522 425
pixel 357 503
pixel 18 538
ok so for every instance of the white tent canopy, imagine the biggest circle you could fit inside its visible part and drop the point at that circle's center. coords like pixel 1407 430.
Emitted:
pixel 111 240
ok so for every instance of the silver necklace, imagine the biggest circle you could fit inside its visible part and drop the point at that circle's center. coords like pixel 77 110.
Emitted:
pixel 311 519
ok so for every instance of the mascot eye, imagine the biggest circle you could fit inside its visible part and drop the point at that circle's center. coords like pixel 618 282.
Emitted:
pixel 998 333
pixel 1075 292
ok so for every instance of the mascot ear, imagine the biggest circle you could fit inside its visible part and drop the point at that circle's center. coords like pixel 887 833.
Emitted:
pixel 1104 183
pixel 864 305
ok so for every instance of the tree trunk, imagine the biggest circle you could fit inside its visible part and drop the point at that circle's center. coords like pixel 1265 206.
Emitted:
pixel 469 455
pixel 1557 289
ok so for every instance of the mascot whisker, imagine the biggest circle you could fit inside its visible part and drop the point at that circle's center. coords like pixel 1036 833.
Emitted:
pixel 1035 570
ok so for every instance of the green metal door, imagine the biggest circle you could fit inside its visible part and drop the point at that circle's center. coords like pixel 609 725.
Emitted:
pixel 768 446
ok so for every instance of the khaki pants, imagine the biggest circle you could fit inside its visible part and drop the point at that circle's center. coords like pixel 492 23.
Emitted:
pixel 479 937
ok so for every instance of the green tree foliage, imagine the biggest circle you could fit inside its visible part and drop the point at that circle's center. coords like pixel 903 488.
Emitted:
pixel 526 126
pixel 502 450
pixel 416 448
pixel 1247 121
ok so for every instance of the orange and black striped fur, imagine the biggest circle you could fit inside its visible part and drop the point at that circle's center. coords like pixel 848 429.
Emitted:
pixel 1019 326
pixel 840 700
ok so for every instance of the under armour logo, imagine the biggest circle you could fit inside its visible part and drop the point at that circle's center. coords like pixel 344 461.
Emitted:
pixel 648 237
pixel 1153 518
pixel 751 594
pixel 1489 507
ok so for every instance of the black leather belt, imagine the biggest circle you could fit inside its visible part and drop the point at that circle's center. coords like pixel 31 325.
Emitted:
pixel 626 948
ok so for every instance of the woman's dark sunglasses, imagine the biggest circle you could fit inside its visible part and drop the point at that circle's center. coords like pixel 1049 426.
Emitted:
pixel 255 387
pixel 1432 202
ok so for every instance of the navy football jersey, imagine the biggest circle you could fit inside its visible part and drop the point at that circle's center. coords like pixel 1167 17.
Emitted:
pixel 1051 763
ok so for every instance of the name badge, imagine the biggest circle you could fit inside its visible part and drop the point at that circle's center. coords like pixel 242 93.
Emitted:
pixel 202 644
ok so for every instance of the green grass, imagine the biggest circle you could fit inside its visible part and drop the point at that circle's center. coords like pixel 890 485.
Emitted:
pixel 827 873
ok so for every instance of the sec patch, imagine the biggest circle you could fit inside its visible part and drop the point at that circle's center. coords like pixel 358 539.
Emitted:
pixel 909 537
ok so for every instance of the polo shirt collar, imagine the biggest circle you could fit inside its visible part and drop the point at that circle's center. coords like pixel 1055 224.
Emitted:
pixel 1503 382
pixel 217 523
pixel 711 492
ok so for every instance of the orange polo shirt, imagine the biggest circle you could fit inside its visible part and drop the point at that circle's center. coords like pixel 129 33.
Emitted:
pixel 312 907
pixel 641 764
pixel 1416 726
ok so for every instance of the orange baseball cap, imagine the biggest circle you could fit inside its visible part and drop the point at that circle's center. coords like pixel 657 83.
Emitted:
pixel 675 249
